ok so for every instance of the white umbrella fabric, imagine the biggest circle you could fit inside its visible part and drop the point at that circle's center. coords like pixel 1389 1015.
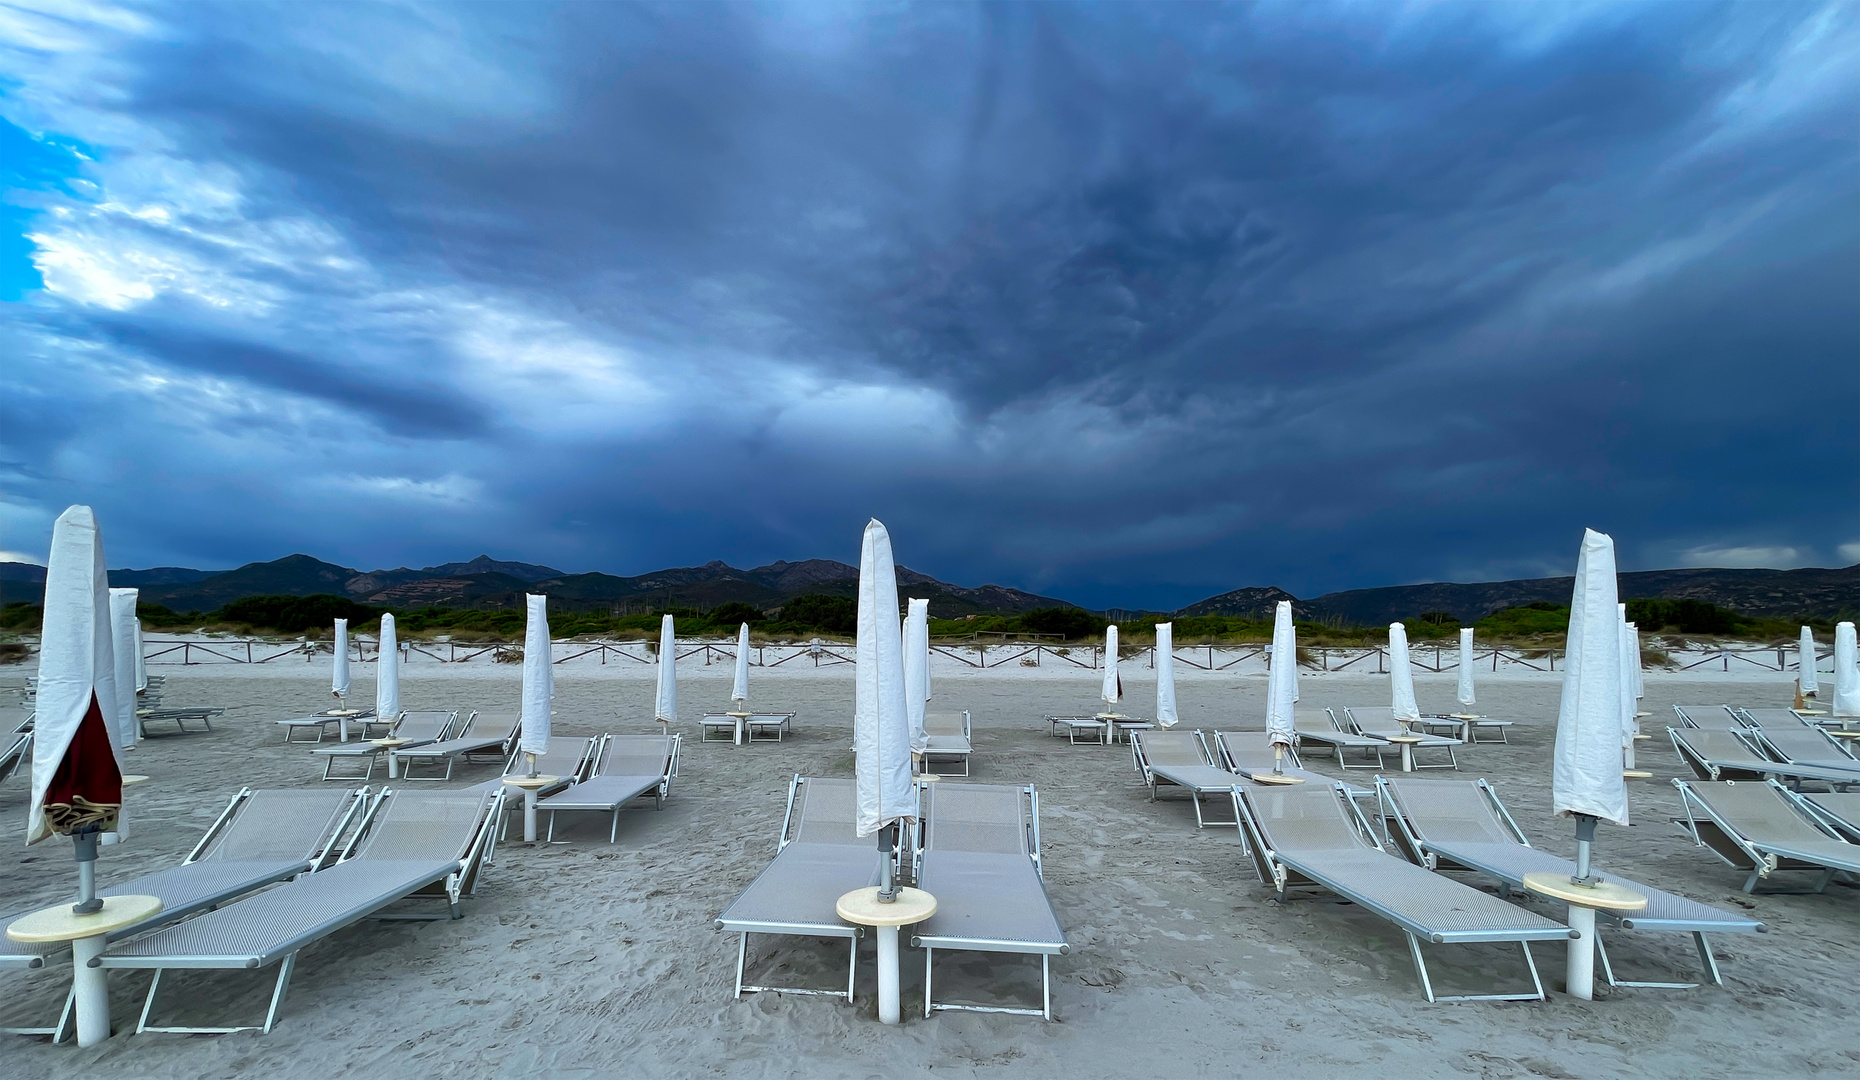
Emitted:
pixel 665 703
pixel 1165 675
pixel 917 669
pixel 142 664
pixel 739 690
pixel 1846 673
pixel 1586 776
pixel 1112 690
pixel 1630 657
pixel 339 662
pixel 123 646
pixel 77 774
pixel 1466 695
pixel 1282 683
pixel 538 680
pixel 387 673
pixel 1805 657
pixel 1401 674
pixel 881 722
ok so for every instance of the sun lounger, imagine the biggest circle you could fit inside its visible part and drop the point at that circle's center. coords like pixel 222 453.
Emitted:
pixel 1312 835
pixel 1709 717
pixel 1723 755
pixel 980 858
pixel 629 766
pixel 1838 810
pixel 262 837
pixel 757 727
pixel 18 753
pixel 569 760
pixel 818 858
pixel 1072 726
pixel 413 842
pixel 483 736
pixel 1378 722
pixel 1762 827
pixel 1467 728
pixel 1462 825
pixel 1181 759
pixel 1790 740
pixel 1319 727
pixel 321 723
pixel 178 716
pixel 949 740
pixel 1247 753
pixel 418 728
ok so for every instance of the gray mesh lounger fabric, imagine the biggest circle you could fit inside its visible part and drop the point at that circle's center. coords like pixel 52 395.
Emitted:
pixel 418 728
pixel 1762 827
pixel 419 840
pixel 1840 810
pixel 1317 726
pixel 1181 759
pixel 979 861
pixel 948 738
pixel 1309 834
pixel 798 891
pixel 1458 823
pixel 566 758
pixel 1799 744
pixel 1378 722
pixel 1247 753
pixel 1722 755
pixel 630 766
pixel 1709 717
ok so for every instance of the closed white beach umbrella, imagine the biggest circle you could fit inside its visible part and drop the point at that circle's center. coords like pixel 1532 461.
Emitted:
pixel 1805 658
pixel 881 723
pixel 339 662
pixel 665 704
pixel 917 669
pixel 142 664
pixel 1282 682
pixel 1585 778
pixel 387 673
pixel 1846 674
pixel 123 648
pixel 1165 675
pixel 77 772
pixel 538 680
pixel 739 690
pixel 1112 690
pixel 1630 657
pixel 1401 674
pixel 1466 695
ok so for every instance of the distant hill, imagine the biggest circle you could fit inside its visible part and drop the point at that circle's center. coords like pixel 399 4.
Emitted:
pixel 1250 603
pixel 1809 593
pixel 488 583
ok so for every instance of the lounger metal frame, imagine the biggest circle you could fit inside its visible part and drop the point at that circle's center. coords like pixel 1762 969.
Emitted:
pixel 1140 759
pixel 457 882
pixel 1437 742
pixel 500 750
pixel 370 753
pixel 1754 768
pixel 1418 849
pixel 1274 870
pixel 658 793
pixel 931 755
pixel 1339 739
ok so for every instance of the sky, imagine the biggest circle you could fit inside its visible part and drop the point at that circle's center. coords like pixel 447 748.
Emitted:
pixel 1129 304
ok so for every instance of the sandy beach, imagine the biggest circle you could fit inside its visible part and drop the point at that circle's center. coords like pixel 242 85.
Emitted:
pixel 589 959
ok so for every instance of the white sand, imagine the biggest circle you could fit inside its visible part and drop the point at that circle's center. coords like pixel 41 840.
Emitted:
pixel 586 959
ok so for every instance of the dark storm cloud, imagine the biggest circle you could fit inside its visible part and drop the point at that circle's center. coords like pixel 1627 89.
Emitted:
pixel 1136 302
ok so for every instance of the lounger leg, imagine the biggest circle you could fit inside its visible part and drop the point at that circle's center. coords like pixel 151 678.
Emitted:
pixel 1706 958
pixel 1420 965
pixel 277 992
pixel 613 830
pixel 852 969
pixel 928 954
pixel 1826 880
pixel 1750 883
pixel 148 1003
pixel 1046 985
pixel 742 956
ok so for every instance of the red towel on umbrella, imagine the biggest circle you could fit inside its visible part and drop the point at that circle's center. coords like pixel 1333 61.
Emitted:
pixel 86 791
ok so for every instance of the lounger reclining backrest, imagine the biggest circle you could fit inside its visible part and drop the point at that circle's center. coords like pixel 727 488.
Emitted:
pixel 635 755
pixel 1376 718
pixel 827 813
pixel 1711 717
pixel 499 726
pixel 1759 813
pixel 1167 749
pixel 565 758
pixel 1766 718
pixel 1799 743
pixel 944 724
pixel 276 826
pixel 1718 747
pixel 1313 721
pixel 423 826
pixel 425 726
pixel 1450 811
pixel 977 818
pixel 1304 818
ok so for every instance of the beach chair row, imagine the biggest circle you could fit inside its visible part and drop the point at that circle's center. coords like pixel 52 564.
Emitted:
pixel 976 849
pixel 282 869
pixel 1718 742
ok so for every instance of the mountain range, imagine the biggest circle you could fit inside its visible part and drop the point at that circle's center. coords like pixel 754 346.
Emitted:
pixel 489 583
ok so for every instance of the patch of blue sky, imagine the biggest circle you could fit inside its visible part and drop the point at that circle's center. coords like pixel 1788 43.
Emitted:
pixel 31 167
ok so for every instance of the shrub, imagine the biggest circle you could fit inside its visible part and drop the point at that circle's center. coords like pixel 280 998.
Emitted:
pixel 295 614
pixel 1068 623
pixel 734 614
pixel 831 614
pixel 21 615
pixel 1684 616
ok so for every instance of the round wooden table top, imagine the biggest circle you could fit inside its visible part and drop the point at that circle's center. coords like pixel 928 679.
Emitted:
pixel 524 780
pixel 389 742
pixel 60 924
pixel 1603 894
pixel 861 907
pixel 1274 778
pixel 1405 738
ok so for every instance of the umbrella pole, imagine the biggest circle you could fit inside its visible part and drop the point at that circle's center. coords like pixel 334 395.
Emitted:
pixel 888 889
pixel 1278 760
pixel 85 843
pixel 1585 835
